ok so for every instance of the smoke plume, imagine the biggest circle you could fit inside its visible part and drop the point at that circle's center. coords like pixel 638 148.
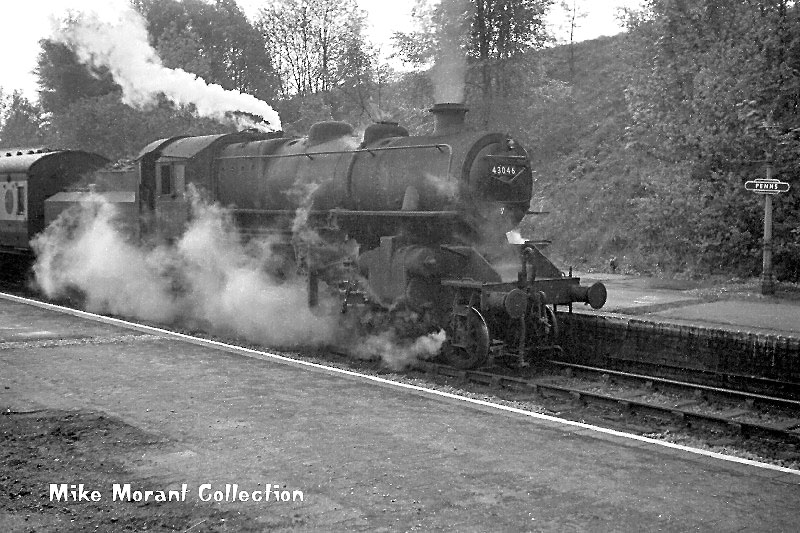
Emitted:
pixel 449 71
pixel 448 74
pixel 113 35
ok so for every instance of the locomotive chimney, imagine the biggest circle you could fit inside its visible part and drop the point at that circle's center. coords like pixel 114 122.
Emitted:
pixel 448 118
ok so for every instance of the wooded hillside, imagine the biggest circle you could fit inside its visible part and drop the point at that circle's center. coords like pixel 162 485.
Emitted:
pixel 674 117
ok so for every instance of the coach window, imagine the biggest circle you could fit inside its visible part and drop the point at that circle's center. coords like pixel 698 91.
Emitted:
pixel 21 200
pixel 8 199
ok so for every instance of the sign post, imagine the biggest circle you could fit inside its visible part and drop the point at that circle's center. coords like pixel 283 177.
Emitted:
pixel 768 187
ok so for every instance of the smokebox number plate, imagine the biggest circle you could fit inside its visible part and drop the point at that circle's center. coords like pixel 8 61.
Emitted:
pixel 505 173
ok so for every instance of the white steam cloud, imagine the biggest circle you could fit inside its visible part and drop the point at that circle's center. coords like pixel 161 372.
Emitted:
pixel 206 280
pixel 444 185
pixel 398 353
pixel 113 35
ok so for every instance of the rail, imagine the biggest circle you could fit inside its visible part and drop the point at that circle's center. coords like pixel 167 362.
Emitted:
pixel 736 419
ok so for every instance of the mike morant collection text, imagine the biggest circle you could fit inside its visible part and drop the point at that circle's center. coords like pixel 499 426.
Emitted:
pixel 206 492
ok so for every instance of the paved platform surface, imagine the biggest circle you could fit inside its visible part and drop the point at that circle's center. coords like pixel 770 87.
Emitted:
pixel 712 306
pixel 372 457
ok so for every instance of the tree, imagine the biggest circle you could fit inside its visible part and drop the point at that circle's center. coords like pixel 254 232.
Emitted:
pixel 228 49
pixel 327 67
pixel 20 122
pixel 63 79
pixel 181 47
pixel 715 86
pixel 493 37
pixel 215 41
pixel 242 52
pixel 574 13
pixel 360 75
pixel 706 70
pixel 487 29
pixel 313 42
pixel 105 125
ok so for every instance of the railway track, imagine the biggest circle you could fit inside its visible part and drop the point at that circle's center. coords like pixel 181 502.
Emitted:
pixel 695 405
pixel 725 380
pixel 706 392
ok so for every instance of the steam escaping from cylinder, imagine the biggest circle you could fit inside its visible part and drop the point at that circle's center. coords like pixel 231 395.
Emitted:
pixel 397 353
pixel 85 251
pixel 113 35
pixel 206 280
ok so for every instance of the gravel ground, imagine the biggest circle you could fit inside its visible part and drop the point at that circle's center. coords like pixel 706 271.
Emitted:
pixel 41 447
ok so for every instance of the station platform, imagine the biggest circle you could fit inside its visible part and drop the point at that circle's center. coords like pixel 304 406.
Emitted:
pixel 731 306
pixel 368 455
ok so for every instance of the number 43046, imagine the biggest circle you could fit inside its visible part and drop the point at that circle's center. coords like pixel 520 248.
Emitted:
pixel 504 170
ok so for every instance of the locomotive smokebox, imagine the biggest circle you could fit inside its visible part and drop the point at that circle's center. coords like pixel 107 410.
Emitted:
pixel 448 118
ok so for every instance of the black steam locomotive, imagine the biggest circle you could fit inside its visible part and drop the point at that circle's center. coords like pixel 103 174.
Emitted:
pixel 394 221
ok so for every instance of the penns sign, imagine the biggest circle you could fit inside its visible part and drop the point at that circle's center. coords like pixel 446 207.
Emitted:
pixel 767 186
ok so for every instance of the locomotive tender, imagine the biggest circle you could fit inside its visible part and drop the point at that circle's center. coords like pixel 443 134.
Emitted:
pixel 395 221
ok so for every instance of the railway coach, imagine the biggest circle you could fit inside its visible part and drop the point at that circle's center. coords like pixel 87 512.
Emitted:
pixel 28 176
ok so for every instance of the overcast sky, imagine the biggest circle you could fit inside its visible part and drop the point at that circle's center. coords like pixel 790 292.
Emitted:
pixel 24 22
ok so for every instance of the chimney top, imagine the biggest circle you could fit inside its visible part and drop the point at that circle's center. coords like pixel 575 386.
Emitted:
pixel 448 117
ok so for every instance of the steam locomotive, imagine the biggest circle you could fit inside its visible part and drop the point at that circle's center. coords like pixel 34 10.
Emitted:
pixel 390 221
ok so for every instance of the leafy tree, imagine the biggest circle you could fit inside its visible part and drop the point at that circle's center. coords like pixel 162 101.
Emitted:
pixel 494 35
pixel 314 43
pixel 327 67
pixel 182 48
pixel 20 122
pixel 714 85
pixel 487 29
pixel 63 79
pixel 105 125
pixel 228 49
pixel 709 74
pixel 213 40
pixel 242 50
pixel 359 72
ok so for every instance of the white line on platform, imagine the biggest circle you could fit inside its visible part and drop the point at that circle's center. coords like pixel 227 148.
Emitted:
pixel 258 354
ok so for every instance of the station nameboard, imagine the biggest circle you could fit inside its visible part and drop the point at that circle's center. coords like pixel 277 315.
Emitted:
pixel 765 186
